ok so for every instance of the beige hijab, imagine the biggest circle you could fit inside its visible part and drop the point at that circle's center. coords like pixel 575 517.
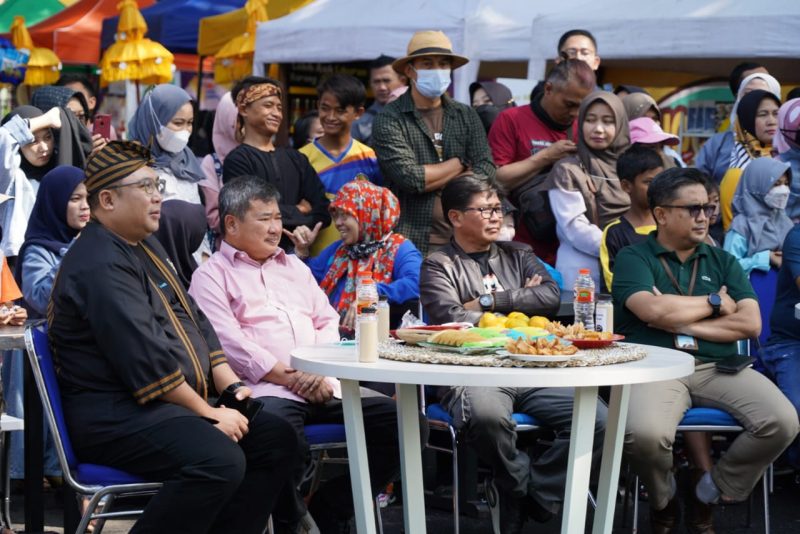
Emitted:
pixel 637 104
pixel 593 173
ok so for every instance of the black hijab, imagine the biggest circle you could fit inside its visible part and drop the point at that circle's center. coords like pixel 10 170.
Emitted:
pixel 748 107
pixel 31 171
pixel 181 231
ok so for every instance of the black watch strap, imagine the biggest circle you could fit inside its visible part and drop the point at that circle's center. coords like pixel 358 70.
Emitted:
pixel 233 387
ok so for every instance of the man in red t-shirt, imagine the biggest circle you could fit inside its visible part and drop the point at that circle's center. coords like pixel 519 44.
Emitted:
pixel 526 141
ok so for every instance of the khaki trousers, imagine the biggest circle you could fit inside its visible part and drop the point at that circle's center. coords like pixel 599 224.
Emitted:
pixel 769 420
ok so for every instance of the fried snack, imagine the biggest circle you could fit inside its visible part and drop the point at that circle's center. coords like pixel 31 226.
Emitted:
pixel 576 331
pixel 540 346
pixel 455 338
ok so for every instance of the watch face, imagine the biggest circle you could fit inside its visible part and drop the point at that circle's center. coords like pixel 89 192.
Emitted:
pixel 714 299
pixel 485 301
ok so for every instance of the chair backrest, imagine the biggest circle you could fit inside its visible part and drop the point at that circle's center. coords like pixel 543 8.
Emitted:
pixel 44 372
pixel 765 285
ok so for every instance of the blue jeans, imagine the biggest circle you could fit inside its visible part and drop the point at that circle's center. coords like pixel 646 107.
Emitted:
pixel 782 361
pixel 13 375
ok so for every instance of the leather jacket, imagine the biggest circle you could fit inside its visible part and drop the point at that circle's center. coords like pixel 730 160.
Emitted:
pixel 450 277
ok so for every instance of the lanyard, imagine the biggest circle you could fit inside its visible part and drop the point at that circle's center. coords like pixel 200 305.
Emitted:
pixel 675 282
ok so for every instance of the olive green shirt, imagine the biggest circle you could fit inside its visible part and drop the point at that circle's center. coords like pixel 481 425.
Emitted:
pixel 638 268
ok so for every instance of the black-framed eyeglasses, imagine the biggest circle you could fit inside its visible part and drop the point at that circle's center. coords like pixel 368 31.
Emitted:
pixel 487 213
pixel 694 209
pixel 147 185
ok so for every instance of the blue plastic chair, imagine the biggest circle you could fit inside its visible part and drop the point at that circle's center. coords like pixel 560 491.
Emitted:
pixel 765 285
pixel 99 481
pixel 708 420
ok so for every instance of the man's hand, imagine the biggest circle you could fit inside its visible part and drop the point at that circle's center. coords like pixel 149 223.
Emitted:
pixel 729 305
pixel 349 318
pixel 473 305
pixel 304 207
pixel 18 316
pixel 558 150
pixel 230 422
pixel 313 388
pixel 534 281
pixel 776 258
pixel 303 238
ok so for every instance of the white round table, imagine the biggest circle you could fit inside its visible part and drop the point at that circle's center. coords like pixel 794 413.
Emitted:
pixel 341 362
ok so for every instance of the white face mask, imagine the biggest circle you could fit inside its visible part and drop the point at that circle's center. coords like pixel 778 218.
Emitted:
pixel 433 83
pixel 173 141
pixel 777 197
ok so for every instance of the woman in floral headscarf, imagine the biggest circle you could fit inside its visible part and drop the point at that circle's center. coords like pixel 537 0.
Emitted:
pixel 365 215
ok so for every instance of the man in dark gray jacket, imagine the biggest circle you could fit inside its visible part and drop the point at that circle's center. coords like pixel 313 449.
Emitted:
pixel 469 276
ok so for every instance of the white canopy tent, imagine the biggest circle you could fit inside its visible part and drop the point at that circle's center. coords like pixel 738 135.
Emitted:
pixel 354 30
pixel 688 35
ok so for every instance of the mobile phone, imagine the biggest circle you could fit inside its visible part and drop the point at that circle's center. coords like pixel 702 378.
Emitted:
pixel 733 364
pixel 102 125
pixel 247 407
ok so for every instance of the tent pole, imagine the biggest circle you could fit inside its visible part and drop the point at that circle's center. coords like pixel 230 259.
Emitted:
pixel 199 80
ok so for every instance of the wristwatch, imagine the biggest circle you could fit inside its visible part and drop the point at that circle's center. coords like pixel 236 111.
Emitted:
pixel 715 301
pixel 233 387
pixel 486 301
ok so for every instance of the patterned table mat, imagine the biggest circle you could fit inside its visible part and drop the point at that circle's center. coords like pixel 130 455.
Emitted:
pixel 616 353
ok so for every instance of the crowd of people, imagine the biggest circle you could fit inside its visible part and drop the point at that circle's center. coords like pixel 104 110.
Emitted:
pixel 167 280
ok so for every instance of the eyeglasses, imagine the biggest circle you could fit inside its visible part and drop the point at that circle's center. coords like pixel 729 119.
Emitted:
pixel 147 185
pixel 694 209
pixel 576 53
pixel 487 213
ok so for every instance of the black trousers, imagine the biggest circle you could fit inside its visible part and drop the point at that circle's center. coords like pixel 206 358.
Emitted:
pixel 335 496
pixel 211 483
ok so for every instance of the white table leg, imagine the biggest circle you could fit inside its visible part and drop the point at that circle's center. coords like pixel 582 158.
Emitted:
pixel 612 456
pixel 410 458
pixel 580 460
pixel 357 457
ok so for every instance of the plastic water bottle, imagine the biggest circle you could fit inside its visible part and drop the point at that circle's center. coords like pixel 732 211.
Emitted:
pixel 366 294
pixel 583 302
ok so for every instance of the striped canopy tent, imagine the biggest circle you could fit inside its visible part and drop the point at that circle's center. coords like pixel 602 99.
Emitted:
pixel 43 67
pixel 33 11
pixel 134 57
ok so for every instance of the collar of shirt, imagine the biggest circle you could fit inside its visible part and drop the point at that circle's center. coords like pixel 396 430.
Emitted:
pixel 659 250
pixel 233 255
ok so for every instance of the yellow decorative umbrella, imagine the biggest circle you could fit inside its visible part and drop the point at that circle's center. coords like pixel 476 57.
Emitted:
pixel 235 60
pixel 44 67
pixel 132 56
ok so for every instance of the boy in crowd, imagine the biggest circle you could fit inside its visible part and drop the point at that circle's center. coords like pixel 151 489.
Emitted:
pixel 636 168
pixel 336 156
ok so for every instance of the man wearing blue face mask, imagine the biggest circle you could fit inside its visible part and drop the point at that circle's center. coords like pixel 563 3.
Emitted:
pixel 424 139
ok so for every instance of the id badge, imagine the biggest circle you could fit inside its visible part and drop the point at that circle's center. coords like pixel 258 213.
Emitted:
pixel 684 342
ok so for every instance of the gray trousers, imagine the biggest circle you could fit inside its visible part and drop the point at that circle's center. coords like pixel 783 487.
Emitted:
pixel 483 414
pixel 768 418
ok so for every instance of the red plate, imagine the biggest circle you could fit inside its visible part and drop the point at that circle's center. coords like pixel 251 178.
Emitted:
pixel 595 343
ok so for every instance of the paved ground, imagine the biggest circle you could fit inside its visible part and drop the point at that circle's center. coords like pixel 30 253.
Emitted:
pixel 785 516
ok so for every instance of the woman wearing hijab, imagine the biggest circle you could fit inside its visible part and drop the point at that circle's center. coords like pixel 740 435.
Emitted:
pixel 642 105
pixel 74 141
pixel 163 122
pixel 787 143
pixel 586 194
pixel 760 226
pixel 714 157
pixel 27 148
pixel 223 136
pixel 59 214
pixel 365 215
pixel 755 124
pixel 181 231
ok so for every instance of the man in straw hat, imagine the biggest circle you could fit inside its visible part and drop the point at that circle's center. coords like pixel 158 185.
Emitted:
pixel 424 139
pixel 138 361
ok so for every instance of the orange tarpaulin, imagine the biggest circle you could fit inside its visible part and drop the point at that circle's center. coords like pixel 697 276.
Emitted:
pixel 74 33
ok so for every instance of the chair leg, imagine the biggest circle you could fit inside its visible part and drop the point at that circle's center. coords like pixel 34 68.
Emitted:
pixel 6 510
pixel 592 500
pixel 104 505
pixel 456 482
pixel 378 515
pixel 766 480
pixel 635 525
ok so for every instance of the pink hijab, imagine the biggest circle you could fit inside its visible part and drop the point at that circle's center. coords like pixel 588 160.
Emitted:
pixel 789 122
pixel 223 136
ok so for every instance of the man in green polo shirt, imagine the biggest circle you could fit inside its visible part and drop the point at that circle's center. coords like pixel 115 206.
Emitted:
pixel 673 290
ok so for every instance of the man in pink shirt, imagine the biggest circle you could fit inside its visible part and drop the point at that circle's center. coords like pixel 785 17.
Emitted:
pixel 263 303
